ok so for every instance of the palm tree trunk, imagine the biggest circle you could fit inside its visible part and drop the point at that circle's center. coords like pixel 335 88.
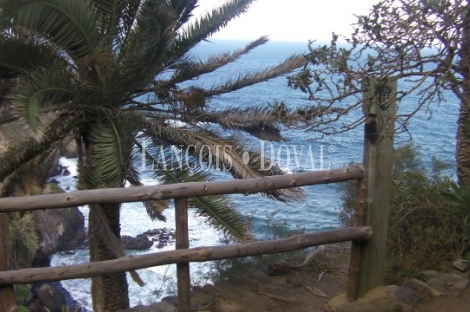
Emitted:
pixel 109 292
pixel 463 137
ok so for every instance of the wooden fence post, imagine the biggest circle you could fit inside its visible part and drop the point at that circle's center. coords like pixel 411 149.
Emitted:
pixel 182 242
pixel 7 293
pixel 356 246
pixel 380 110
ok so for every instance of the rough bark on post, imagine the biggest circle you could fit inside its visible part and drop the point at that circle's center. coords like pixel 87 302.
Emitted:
pixel 355 262
pixel 182 242
pixel 463 137
pixel 380 108
pixel 7 293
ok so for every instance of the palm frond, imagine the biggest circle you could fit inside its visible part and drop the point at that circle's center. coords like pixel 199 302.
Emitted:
pixel 212 22
pixel 19 55
pixel 220 213
pixel 116 19
pixel 154 208
pixel 223 153
pixel 183 9
pixel 25 151
pixel 218 209
pixel 43 87
pixel 189 70
pixel 70 25
pixel 30 177
pixel 143 54
pixel 257 121
pixel 111 149
pixel 285 67
pixel 204 27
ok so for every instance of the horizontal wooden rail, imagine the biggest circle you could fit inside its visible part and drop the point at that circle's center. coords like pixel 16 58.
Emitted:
pixel 180 190
pixel 200 254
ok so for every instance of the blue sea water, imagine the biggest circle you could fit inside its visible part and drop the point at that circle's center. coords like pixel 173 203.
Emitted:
pixel 435 136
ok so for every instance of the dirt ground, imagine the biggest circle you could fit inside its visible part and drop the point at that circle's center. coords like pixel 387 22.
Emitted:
pixel 447 304
pixel 307 289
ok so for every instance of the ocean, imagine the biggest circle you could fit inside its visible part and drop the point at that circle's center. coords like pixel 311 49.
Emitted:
pixel 433 130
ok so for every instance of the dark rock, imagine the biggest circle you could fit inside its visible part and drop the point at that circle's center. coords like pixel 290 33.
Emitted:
pixel 445 283
pixel 66 172
pixel 41 259
pixel 153 232
pixel 58 230
pixel 12 133
pixel 421 288
pixel 51 297
pixel 461 265
pixel 54 181
pixel 139 243
pixel 36 306
pixel 56 170
pixel 162 237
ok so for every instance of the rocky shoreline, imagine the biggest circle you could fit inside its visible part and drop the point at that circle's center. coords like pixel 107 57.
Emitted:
pixel 63 230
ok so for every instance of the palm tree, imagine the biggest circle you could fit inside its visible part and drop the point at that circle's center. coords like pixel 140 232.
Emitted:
pixel 107 75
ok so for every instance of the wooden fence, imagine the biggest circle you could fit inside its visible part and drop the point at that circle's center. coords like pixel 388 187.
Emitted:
pixel 367 254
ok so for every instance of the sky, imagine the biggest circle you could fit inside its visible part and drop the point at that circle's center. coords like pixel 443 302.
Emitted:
pixel 292 20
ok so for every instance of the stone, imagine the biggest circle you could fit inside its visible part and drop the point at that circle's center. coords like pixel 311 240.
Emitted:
pixel 445 284
pixel 58 229
pixel 51 298
pixel 461 284
pixel 56 170
pixel 36 306
pixel 163 237
pixel 461 265
pixel 11 133
pixel 173 300
pixel 140 242
pixel 420 287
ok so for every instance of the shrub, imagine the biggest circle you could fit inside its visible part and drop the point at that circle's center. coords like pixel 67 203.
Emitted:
pixel 275 229
pixel 422 235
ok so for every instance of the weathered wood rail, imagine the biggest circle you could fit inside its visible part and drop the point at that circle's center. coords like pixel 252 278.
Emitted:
pixel 367 259
pixel 183 256
pixel 181 190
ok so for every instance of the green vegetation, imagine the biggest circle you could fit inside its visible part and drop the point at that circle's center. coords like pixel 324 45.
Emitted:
pixel 459 201
pixel 422 233
pixel 24 239
pixel 275 229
